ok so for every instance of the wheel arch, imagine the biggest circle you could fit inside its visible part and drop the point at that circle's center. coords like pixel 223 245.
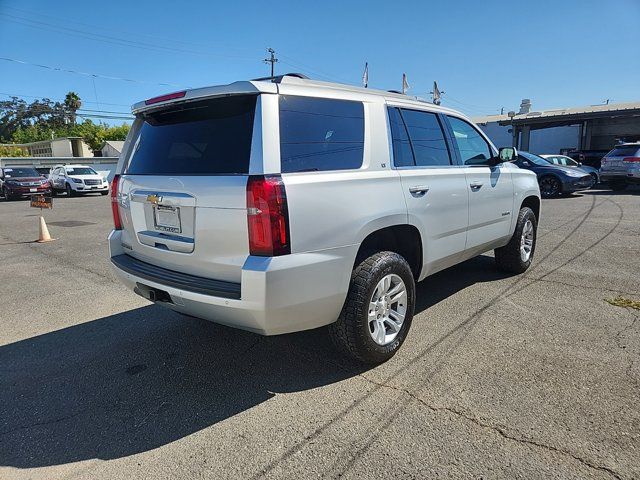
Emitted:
pixel 402 238
pixel 533 202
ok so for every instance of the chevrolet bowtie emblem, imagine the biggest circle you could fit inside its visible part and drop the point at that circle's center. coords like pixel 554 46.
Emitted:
pixel 155 199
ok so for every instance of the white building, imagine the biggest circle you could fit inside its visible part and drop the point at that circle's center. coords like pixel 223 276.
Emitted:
pixel 595 127
pixel 57 147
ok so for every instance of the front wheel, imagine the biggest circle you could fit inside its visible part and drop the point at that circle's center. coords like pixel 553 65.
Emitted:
pixel 70 191
pixel 550 186
pixel 378 311
pixel 104 193
pixel 516 256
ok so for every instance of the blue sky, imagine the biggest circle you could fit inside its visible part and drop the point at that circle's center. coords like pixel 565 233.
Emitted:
pixel 484 54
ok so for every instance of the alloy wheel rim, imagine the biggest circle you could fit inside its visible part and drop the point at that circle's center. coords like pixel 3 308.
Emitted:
pixel 387 309
pixel 549 186
pixel 526 241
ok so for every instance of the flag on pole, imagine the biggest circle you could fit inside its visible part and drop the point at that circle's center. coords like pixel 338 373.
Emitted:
pixel 365 75
pixel 405 85
pixel 436 94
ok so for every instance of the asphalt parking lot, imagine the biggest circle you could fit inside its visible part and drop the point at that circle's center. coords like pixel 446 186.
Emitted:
pixel 501 377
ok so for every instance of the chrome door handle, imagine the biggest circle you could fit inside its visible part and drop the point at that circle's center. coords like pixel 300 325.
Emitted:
pixel 418 190
pixel 475 186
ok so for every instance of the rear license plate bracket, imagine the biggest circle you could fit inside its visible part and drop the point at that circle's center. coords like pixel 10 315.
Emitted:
pixel 167 219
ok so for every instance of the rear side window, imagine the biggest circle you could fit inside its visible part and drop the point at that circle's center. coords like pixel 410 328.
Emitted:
pixel 625 151
pixel 473 148
pixel 402 153
pixel 427 138
pixel 209 137
pixel 318 134
pixel 417 138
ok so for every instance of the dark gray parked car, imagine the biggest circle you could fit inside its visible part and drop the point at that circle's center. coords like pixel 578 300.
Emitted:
pixel 554 180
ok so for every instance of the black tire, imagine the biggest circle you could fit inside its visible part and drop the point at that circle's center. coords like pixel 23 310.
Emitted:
pixel 550 186
pixel 6 195
pixel 508 258
pixel 595 180
pixel 617 186
pixel 104 193
pixel 70 191
pixel 351 332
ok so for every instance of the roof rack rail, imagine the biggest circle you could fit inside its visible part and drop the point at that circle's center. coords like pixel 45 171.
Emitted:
pixel 396 91
pixel 278 78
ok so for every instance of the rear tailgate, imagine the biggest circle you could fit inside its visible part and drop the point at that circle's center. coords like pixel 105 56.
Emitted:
pixel 183 189
pixel 614 160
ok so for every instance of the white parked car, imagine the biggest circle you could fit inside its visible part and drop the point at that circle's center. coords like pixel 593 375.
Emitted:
pixel 287 204
pixel 77 179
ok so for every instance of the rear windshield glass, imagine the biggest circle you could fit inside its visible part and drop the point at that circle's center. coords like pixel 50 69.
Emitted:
pixel 628 151
pixel 320 134
pixel 202 138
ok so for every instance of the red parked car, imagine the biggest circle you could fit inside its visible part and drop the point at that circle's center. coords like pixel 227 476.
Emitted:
pixel 19 182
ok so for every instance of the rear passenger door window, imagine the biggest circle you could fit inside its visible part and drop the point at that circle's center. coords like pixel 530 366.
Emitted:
pixel 418 139
pixel 427 138
pixel 318 134
pixel 402 152
pixel 472 147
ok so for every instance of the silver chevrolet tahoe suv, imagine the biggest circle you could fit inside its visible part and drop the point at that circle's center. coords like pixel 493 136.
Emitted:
pixel 284 204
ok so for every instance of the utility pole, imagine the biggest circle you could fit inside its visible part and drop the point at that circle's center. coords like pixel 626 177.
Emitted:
pixel 272 59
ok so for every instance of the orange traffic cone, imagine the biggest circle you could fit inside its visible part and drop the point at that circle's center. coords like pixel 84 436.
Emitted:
pixel 44 232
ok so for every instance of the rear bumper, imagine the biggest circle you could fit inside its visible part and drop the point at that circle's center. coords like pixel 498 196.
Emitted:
pixel 627 176
pixel 275 295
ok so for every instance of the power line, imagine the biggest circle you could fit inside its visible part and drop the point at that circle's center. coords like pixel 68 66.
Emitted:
pixel 87 74
pixel 28 22
pixel 41 97
pixel 135 34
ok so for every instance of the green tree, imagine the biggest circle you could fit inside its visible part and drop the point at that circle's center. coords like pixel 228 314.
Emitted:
pixel 72 103
pixel 9 151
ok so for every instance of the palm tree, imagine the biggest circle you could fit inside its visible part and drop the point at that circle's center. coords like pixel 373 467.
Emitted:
pixel 72 103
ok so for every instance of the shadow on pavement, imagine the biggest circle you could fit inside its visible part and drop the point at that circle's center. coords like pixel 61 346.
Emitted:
pixel 137 380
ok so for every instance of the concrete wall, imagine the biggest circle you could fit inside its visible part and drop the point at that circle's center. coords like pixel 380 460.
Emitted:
pixel 109 151
pixel 61 147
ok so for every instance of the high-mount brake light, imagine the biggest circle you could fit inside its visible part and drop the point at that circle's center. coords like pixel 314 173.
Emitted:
pixel 164 98
pixel 117 223
pixel 267 216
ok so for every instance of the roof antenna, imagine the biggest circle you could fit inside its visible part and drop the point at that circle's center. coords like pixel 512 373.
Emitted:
pixel 436 94
pixel 405 84
pixel 365 75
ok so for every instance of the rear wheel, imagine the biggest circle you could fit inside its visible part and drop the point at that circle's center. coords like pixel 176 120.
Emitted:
pixel 617 186
pixel 550 186
pixel 378 311
pixel 516 256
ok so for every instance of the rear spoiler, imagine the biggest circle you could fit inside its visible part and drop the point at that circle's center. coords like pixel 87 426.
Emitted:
pixel 236 88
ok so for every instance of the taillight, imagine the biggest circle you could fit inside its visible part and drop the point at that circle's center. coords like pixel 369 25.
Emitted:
pixel 117 224
pixel 632 160
pixel 164 98
pixel 267 216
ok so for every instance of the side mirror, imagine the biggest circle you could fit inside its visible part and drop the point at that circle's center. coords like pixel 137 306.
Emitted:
pixel 579 164
pixel 507 154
